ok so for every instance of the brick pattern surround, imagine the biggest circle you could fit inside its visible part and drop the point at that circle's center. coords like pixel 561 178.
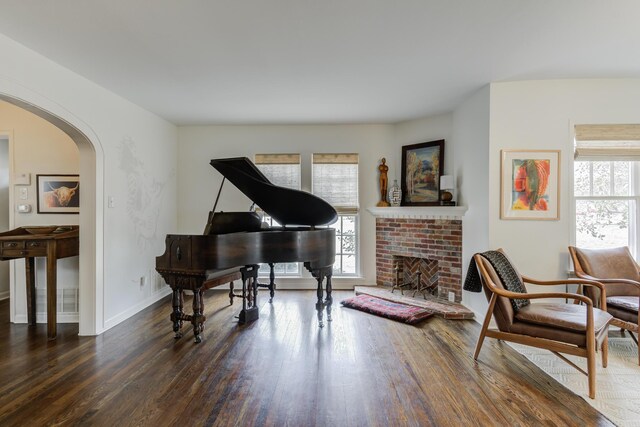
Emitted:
pixel 433 239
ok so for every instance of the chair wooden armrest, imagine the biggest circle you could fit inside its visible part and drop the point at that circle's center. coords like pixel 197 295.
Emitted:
pixel 518 295
pixel 582 282
pixel 591 281
pixel 626 281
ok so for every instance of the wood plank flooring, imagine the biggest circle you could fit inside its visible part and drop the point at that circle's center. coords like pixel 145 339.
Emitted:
pixel 281 370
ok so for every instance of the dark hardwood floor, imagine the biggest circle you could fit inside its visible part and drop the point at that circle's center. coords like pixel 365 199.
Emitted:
pixel 281 370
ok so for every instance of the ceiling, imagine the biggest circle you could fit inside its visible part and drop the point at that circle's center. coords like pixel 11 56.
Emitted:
pixel 322 61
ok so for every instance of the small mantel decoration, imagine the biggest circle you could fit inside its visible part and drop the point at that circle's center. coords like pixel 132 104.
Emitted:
pixel 395 194
pixel 383 168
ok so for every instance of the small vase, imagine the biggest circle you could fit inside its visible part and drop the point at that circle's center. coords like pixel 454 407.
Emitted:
pixel 395 194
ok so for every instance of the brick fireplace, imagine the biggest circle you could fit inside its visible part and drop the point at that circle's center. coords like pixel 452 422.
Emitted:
pixel 430 235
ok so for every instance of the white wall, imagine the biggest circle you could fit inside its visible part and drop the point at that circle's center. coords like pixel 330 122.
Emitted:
pixel 135 152
pixel 471 168
pixel 540 115
pixel 4 208
pixel 422 130
pixel 38 148
pixel 198 182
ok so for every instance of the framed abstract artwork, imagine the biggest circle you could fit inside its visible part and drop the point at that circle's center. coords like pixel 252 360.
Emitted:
pixel 529 184
pixel 422 166
pixel 58 194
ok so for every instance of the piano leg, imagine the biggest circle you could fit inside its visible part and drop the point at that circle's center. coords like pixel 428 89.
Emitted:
pixel 320 304
pixel 176 316
pixel 272 282
pixel 320 274
pixel 329 300
pixel 198 318
pixel 231 293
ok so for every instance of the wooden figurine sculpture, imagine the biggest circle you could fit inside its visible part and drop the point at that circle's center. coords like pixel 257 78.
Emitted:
pixel 383 168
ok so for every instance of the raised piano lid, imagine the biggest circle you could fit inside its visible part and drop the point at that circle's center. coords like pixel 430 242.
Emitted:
pixel 286 206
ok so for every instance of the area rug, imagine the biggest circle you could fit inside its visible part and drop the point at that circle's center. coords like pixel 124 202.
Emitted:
pixel 390 310
pixel 617 386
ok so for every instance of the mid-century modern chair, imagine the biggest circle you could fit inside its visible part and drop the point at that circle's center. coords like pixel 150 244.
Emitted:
pixel 556 326
pixel 616 269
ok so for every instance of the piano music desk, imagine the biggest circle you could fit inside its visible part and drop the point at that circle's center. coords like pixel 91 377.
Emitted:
pixel 52 242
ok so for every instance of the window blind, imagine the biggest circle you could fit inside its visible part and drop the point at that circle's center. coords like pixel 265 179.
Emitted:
pixel 280 169
pixel 607 142
pixel 335 179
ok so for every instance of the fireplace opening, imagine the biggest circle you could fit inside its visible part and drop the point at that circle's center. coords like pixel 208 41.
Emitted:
pixel 418 276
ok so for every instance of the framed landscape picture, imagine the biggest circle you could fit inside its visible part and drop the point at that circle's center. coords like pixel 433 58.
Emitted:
pixel 58 194
pixel 422 166
pixel 529 184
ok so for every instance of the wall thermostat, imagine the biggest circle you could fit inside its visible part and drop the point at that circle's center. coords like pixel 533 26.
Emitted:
pixel 22 178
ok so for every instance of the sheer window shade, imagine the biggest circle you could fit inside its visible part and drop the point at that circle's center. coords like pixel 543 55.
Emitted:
pixel 335 179
pixel 280 169
pixel 607 142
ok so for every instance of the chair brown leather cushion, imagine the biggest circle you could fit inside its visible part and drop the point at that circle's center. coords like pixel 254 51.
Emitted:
pixel 627 303
pixel 559 322
pixel 623 308
pixel 571 317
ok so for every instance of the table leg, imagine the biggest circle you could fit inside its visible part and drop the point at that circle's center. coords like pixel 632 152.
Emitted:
pixel 30 268
pixel 52 290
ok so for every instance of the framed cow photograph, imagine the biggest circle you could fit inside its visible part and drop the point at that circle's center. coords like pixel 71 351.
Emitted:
pixel 58 194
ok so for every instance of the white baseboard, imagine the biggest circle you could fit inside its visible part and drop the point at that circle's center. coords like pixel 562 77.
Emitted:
pixel 42 318
pixel 4 295
pixel 306 283
pixel 119 318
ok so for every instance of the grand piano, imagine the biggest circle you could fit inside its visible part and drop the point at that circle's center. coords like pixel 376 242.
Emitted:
pixel 236 242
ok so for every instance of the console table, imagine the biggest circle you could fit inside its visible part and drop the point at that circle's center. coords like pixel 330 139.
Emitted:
pixel 52 242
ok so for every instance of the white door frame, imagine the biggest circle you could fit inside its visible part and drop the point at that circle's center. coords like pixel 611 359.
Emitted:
pixel 91 220
pixel 8 134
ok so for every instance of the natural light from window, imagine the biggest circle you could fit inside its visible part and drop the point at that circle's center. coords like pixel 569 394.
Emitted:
pixel 606 197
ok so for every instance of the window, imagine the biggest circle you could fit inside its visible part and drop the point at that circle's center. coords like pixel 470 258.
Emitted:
pixel 605 203
pixel 335 179
pixel 282 170
pixel 606 186
pixel 346 246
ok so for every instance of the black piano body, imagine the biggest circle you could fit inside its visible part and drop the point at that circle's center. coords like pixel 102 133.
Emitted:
pixel 240 241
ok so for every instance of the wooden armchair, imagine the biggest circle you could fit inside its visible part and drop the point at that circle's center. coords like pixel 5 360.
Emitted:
pixel 616 269
pixel 555 326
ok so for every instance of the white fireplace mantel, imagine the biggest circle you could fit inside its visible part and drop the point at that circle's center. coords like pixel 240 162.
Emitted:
pixel 420 212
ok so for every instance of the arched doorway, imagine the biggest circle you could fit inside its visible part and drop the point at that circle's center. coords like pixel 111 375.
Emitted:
pixel 91 313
